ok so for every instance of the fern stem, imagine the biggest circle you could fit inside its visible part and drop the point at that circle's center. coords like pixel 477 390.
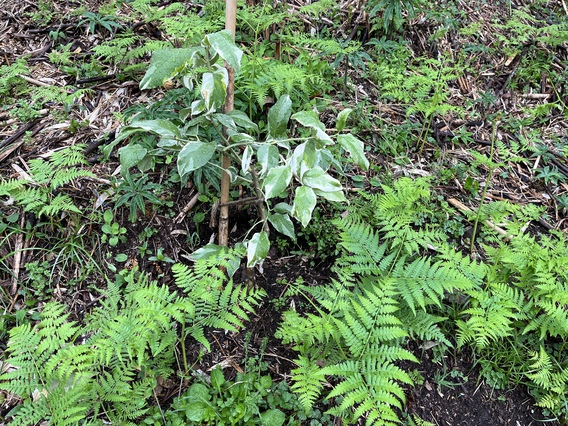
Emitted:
pixel 183 350
pixel 491 168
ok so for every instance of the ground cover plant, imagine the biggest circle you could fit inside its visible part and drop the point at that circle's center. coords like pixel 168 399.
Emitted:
pixel 398 202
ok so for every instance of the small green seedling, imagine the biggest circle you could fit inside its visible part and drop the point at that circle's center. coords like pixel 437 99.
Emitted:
pixel 161 257
pixel 112 231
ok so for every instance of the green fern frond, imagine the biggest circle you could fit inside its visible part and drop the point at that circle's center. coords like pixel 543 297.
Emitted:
pixel 306 331
pixel 308 381
pixel 368 386
pixel 490 320
pixel 422 283
pixel 363 252
pixel 424 326
pixel 216 302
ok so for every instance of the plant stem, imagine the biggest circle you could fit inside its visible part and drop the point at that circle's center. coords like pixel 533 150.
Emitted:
pixel 183 350
pixel 491 168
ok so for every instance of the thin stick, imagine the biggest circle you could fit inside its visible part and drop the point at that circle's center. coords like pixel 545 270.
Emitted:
pixel 18 249
pixel 490 224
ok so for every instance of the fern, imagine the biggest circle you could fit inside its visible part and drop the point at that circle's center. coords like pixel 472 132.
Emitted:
pixel 383 293
pixel 66 373
pixel 308 381
pixel 48 176
pixel 551 378
pixel 260 78
pixel 49 392
pixel 215 303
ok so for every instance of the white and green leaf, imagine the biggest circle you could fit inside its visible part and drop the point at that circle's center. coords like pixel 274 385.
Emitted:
pixel 163 65
pixel 193 156
pixel 355 148
pixel 276 181
pixel 317 178
pixel 283 224
pixel 304 203
pixel 222 42
pixel 246 159
pixel 278 117
pixel 268 156
pixel 257 248
pixel 311 120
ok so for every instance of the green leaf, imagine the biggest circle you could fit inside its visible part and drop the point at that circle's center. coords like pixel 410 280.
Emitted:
pixel 222 42
pixel 257 248
pixel 317 178
pixel 217 378
pixel 342 119
pixel 268 156
pixel 240 138
pixel 195 412
pixel 193 156
pixel 278 117
pixel 273 417
pixel 163 64
pixel 283 208
pixel 226 121
pixel 131 155
pixel 355 148
pixel 310 119
pixel 242 120
pixel 108 216
pixel 304 204
pixel 277 180
pixel 283 224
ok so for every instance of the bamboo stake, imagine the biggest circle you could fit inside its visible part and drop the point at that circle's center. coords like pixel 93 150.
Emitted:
pixel 230 24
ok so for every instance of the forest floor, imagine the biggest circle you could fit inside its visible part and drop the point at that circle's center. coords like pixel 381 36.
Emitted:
pixel 449 391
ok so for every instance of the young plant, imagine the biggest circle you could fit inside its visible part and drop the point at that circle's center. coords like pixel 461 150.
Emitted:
pixel 96 20
pixel 112 231
pixel 393 11
pixel 275 163
pixel 136 191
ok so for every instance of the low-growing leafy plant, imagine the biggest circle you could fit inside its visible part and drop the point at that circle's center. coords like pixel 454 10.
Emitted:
pixel 393 13
pixel 112 231
pixel 135 191
pixel 95 20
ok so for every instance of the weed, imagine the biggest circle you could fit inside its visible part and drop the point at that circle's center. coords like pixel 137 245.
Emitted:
pixel 161 257
pixel 112 231
pixel 44 14
pixel 550 175
pixel 393 13
pixel 135 191
pixel 95 20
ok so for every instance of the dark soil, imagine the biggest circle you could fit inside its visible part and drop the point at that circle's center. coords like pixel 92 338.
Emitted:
pixel 451 395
